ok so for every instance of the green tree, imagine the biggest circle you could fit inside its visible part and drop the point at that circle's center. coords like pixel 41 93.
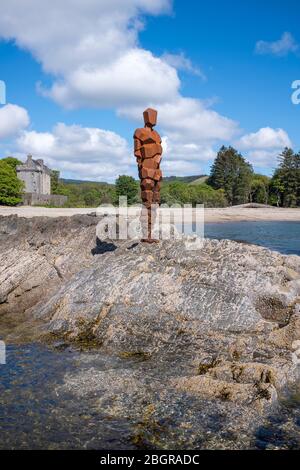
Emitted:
pixel 285 183
pixel 233 174
pixel 287 174
pixel 10 185
pixel 55 181
pixel 178 192
pixel 127 186
pixel 92 197
pixel 276 191
pixel 259 191
pixel 205 194
pixel 12 162
pixel 86 194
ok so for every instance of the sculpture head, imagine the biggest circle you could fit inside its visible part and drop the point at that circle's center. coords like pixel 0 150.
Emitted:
pixel 150 117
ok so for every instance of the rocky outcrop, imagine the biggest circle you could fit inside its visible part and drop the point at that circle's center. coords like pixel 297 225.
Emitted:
pixel 218 324
pixel 37 255
pixel 144 298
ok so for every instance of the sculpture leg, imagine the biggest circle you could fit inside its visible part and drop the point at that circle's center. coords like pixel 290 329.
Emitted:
pixel 155 203
pixel 144 222
pixel 151 219
pixel 148 210
pixel 156 193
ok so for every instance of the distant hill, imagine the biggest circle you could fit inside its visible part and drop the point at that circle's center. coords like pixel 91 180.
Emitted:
pixel 186 179
pixel 196 179
pixel 200 180
pixel 70 181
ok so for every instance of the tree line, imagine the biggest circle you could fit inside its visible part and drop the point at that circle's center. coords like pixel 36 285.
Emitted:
pixel 231 172
pixel 231 181
pixel 11 187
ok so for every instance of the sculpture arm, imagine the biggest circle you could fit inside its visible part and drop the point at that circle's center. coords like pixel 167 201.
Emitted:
pixel 137 148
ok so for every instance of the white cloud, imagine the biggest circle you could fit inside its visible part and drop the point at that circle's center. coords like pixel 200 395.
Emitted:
pixel 97 154
pixel 13 118
pixel 181 62
pixel 190 129
pixel 264 145
pixel 181 168
pixel 264 158
pixel 191 120
pixel 91 48
pixel 134 78
pixel 186 152
pixel 92 51
pixel 188 119
pixel 282 47
pixel 79 152
pixel 265 138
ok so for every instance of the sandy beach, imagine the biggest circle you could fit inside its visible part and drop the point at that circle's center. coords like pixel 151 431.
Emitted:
pixel 227 214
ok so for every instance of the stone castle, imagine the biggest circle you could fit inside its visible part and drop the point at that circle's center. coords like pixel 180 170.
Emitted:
pixel 35 175
pixel 37 183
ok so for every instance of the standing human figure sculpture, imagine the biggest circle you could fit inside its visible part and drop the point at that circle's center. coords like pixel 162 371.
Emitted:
pixel 148 152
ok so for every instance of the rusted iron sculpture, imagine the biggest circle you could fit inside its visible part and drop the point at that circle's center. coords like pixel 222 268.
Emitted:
pixel 148 152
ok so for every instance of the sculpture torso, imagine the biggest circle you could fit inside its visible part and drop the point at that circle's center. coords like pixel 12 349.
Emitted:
pixel 148 152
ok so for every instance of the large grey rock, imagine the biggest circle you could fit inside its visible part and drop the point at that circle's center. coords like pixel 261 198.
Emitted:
pixel 213 328
pixel 124 294
pixel 37 255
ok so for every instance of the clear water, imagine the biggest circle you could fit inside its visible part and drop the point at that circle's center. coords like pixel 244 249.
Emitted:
pixel 36 413
pixel 279 236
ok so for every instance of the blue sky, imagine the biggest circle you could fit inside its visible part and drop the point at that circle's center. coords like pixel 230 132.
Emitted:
pixel 79 74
